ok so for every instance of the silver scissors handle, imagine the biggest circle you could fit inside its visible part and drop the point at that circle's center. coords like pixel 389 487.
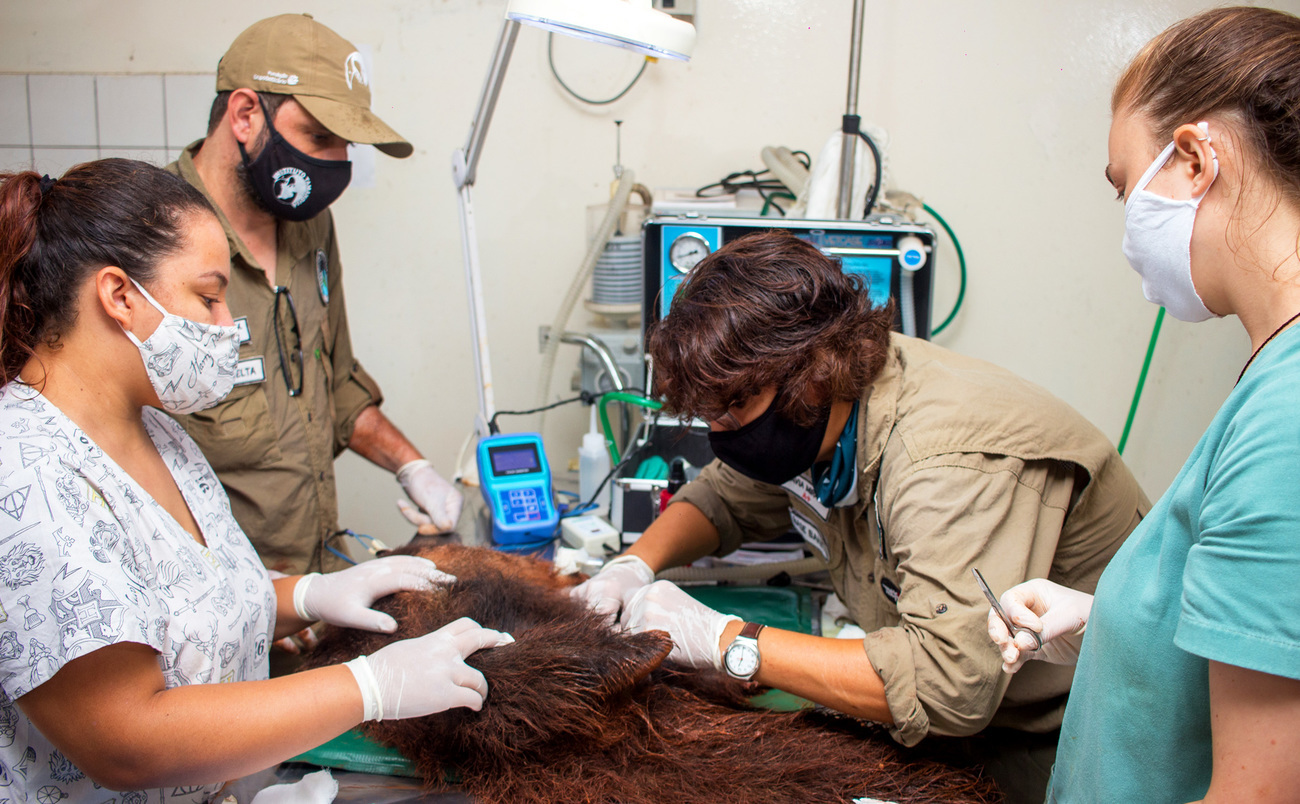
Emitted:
pixel 1012 628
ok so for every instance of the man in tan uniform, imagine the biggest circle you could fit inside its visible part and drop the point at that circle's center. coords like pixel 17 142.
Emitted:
pixel 904 466
pixel 291 95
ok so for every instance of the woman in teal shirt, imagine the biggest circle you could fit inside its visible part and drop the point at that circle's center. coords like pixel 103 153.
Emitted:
pixel 1188 682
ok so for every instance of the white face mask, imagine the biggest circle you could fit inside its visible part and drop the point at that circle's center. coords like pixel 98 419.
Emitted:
pixel 191 365
pixel 1158 241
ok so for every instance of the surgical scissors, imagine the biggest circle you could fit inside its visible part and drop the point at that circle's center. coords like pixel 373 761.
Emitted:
pixel 997 607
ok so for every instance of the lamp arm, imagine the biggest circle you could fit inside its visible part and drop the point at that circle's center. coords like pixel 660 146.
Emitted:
pixel 477 320
pixel 464 167
pixel 465 162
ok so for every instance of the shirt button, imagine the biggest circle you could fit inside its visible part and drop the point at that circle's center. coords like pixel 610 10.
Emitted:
pixel 941 608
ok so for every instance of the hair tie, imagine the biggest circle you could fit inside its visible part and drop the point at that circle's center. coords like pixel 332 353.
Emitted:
pixel 46 183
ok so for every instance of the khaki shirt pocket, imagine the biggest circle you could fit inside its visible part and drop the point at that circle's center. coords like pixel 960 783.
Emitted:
pixel 238 433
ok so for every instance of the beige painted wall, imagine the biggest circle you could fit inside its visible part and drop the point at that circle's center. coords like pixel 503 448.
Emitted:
pixel 997 112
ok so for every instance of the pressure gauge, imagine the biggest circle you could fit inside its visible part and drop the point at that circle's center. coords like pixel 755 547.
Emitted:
pixel 687 251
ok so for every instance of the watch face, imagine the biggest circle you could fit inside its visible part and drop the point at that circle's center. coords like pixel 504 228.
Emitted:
pixel 742 659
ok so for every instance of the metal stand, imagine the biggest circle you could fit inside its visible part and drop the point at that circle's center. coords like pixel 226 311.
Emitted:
pixel 849 151
pixel 464 169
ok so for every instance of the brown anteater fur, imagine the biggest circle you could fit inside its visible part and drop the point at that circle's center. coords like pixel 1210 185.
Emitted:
pixel 580 711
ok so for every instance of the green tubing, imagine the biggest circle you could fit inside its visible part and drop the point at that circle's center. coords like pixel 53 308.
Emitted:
pixel 769 202
pixel 1142 379
pixel 620 396
pixel 961 259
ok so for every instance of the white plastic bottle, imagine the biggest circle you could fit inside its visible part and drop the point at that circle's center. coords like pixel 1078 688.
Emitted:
pixel 593 465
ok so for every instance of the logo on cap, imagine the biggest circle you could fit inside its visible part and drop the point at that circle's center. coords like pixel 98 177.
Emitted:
pixel 276 77
pixel 353 69
pixel 292 187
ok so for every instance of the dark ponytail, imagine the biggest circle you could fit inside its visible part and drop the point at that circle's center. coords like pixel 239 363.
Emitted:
pixel 54 234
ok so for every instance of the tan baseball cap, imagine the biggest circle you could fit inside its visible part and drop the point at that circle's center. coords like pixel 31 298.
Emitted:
pixel 293 54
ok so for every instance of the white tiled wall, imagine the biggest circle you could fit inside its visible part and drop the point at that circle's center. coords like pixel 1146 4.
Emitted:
pixel 49 122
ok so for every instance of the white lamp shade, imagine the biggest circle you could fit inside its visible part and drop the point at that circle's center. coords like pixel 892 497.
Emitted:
pixel 631 24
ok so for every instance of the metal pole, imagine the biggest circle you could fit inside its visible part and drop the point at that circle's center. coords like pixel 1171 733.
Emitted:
pixel 849 150
pixel 464 167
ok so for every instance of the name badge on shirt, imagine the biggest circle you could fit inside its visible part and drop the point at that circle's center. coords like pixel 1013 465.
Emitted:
pixel 250 371
pixel 802 488
pixel 241 326
pixel 810 533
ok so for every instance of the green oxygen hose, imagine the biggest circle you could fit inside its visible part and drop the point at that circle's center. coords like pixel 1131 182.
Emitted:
pixel 1142 380
pixel 620 396
pixel 961 259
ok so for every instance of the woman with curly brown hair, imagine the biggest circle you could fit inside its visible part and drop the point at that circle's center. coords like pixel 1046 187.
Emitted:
pixel 901 463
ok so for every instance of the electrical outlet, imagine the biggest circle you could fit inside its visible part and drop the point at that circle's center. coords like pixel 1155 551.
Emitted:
pixel 684 9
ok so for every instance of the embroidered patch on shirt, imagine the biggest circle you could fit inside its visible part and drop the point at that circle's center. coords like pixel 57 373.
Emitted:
pixel 891 590
pixel 323 275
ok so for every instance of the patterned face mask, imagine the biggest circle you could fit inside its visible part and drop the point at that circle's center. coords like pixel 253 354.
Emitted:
pixel 191 365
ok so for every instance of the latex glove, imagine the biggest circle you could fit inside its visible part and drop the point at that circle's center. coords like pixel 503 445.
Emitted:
pixel 1057 613
pixel 694 627
pixel 345 597
pixel 428 674
pixel 437 502
pixel 609 590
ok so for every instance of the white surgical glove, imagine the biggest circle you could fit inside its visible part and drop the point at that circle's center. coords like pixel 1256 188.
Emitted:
pixel 608 590
pixel 428 674
pixel 1056 613
pixel 344 598
pixel 437 502
pixel 694 627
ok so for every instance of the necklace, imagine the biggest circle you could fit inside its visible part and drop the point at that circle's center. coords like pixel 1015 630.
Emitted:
pixel 1276 332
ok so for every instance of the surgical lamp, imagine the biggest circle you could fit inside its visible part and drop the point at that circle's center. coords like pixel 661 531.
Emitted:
pixel 631 24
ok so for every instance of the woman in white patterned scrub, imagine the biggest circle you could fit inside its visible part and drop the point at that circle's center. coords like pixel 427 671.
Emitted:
pixel 135 614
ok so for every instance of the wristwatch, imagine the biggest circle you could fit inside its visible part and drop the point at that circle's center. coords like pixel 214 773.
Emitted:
pixel 741 658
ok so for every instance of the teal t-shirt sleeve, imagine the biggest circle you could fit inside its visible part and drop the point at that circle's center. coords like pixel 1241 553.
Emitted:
pixel 1241 584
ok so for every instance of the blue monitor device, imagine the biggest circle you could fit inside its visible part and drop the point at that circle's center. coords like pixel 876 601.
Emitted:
pixel 516 483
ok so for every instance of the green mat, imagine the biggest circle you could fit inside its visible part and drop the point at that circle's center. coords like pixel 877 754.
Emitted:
pixel 788 608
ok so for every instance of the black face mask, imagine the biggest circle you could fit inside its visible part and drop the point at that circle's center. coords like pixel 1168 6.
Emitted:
pixel 289 183
pixel 771 448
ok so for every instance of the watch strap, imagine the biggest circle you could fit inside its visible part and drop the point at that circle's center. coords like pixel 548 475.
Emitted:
pixel 750 630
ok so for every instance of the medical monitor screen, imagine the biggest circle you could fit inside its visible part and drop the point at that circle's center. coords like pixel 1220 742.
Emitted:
pixel 877 273
pixel 517 459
